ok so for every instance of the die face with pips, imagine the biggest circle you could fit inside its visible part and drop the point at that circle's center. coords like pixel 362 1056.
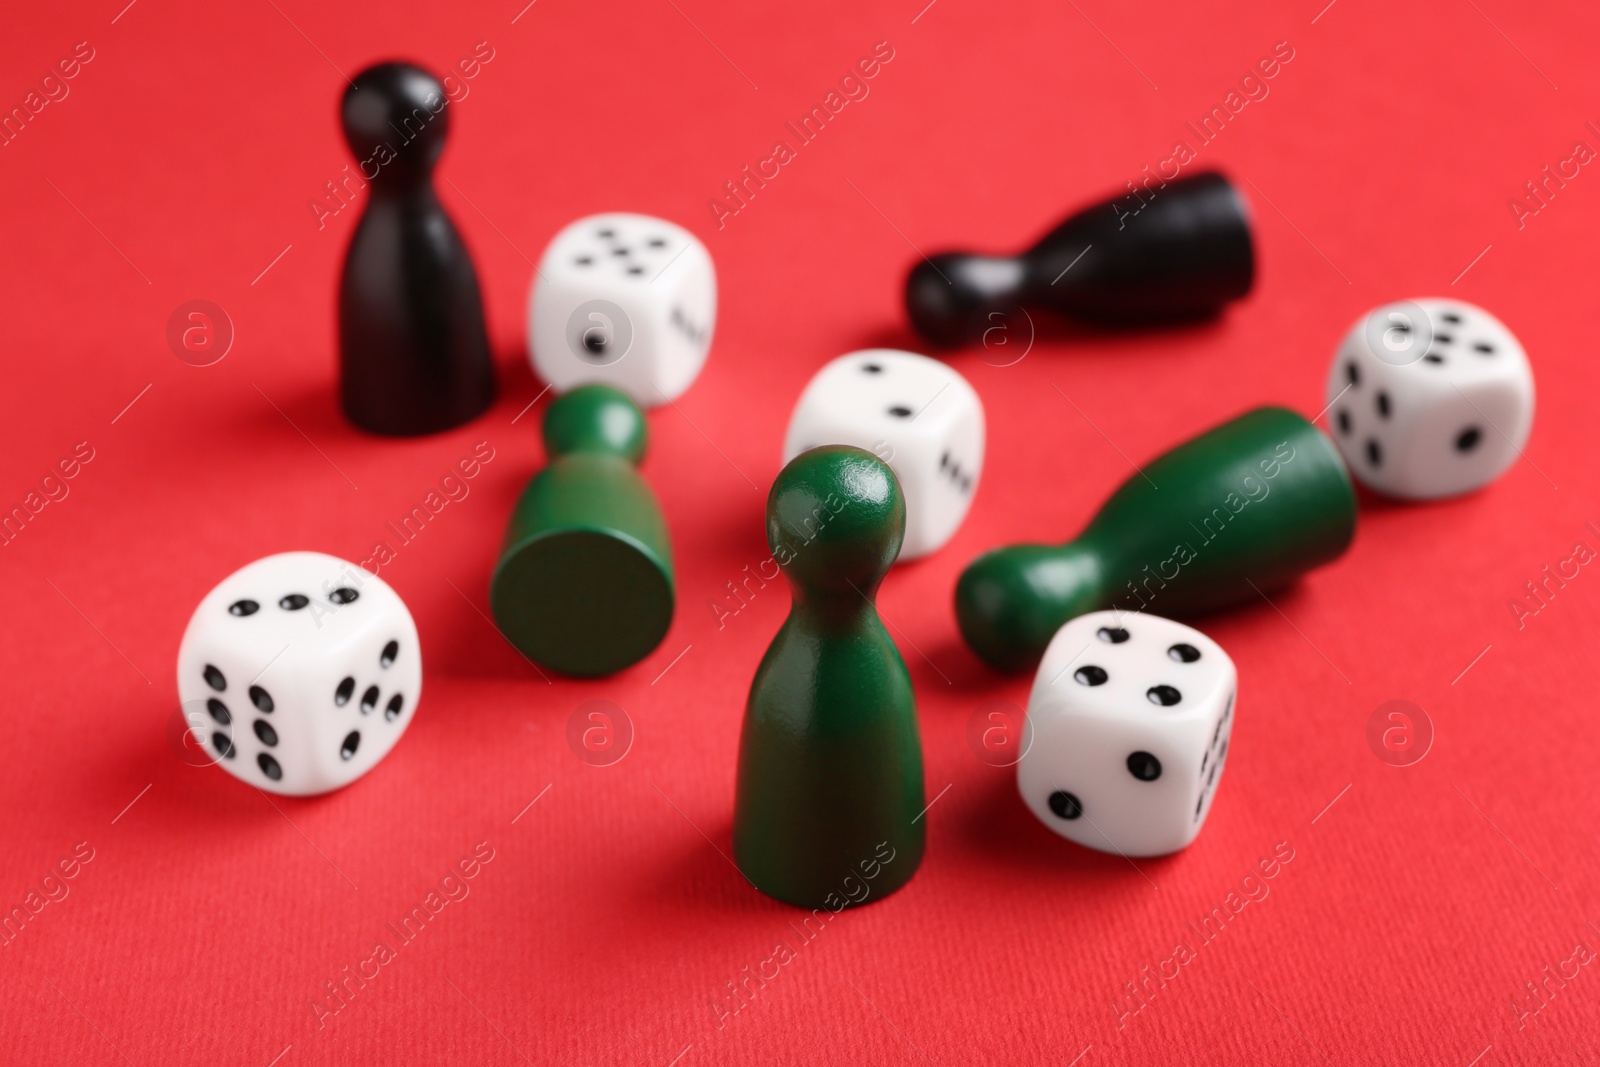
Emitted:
pixel 1130 719
pixel 916 414
pixel 299 672
pixel 1429 398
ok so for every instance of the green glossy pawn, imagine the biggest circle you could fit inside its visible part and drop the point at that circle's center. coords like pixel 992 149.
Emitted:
pixel 584 583
pixel 829 795
pixel 1259 500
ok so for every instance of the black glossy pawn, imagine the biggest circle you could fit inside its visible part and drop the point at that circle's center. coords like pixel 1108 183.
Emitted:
pixel 413 348
pixel 1166 253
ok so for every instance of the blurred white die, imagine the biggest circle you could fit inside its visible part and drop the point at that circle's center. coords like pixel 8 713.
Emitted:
pixel 1429 398
pixel 917 415
pixel 628 300
pixel 1130 717
pixel 299 672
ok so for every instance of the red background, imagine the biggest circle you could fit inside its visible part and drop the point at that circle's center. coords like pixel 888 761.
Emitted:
pixel 1415 908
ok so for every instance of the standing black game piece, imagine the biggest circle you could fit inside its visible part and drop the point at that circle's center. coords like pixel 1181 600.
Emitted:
pixel 413 349
pixel 1167 252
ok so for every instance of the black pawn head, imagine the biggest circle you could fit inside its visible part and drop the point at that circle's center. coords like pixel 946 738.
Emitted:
pixel 835 520
pixel 947 294
pixel 395 120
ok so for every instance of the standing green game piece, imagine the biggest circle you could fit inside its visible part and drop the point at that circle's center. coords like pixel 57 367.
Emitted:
pixel 829 798
pixel 584 584
pixel 1260 500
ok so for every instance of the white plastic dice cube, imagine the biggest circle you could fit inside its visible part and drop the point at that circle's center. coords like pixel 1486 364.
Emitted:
pixel 299 672
pixel 1429 398
pixel 628 300
pixel 917 415
pixel 1129 719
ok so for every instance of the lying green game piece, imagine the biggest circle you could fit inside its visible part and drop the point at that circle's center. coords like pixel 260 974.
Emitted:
pixel 1260 499
pixel 828 807
pixel 584 583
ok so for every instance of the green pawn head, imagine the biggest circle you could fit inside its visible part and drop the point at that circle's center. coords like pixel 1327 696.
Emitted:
pixel 835 521
pixel 595 418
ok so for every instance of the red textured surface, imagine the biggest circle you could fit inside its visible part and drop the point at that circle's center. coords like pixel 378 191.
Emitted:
pixel 609 921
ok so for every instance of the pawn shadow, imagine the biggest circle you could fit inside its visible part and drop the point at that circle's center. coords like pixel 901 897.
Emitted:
pixel 309 410
pixel 315 409
pixel 1035 326
pixel 962 671
pixel 517 386
pixel 465 642
pixel 699 876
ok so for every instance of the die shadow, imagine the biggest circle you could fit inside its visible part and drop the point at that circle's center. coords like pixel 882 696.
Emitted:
pixel 998 826
pixel 191 794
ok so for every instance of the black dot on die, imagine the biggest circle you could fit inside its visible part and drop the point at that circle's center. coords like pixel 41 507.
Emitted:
pixel 344 595
pixel 1443 338
pixel 900 411
pixel 1090 676
pixel 1065 805
pixel 1484 348
pixel 241 608
pixel 269 766
pixel 607 233
pixel 215 679
pixel 261 699
pixel 620 250
pixel 219 711
pixel 223 745
pixel 594 342
pixel 872 368
pixel 1353 373
pixel 1343 419
pixel 1165 695
pixel 1144 766
pixel 1184 653
pixel 1113 634
pixel 348 746
pixel 341 695
pixel 369 700
pixel 583 261
pixel 1374 453
pixel 1383 405
pixel 391 710
pixel 657 242
pixel 1433 357
pixel 1468 439
pixel 294 602
pixel 386 657
pixel 635 270
pixel 265 732
pixel 1451 317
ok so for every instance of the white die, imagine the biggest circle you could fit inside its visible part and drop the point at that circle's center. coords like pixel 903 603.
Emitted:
pixel 628 300
pixel 1429 398
pixel 917 415
pixel 1129 719
pixel 299 672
